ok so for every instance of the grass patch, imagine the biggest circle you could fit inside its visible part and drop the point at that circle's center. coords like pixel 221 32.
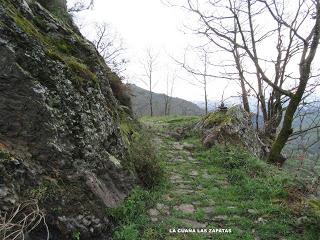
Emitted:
pixel 132 216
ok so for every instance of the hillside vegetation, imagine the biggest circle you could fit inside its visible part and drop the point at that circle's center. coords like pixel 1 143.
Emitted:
pixel 178 106
pixel 223 187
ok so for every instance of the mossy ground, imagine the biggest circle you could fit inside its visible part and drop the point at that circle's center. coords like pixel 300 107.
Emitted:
pixel 227 187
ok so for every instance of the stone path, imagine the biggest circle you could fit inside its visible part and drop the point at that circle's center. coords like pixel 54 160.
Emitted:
pixel 181 203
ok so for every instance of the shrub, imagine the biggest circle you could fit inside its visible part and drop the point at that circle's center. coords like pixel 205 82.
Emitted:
pixel 146 164
pixel 120 90
pixel 127 232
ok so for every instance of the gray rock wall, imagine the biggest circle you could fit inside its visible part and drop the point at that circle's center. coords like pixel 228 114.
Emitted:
pixel 60 141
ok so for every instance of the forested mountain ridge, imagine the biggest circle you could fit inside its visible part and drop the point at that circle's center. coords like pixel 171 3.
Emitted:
pixel 177 106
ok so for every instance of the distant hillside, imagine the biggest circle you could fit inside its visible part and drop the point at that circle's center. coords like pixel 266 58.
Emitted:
pixel 140 104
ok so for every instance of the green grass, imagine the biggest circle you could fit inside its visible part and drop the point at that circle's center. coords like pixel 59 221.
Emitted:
pixel 170 121
pixel 257 199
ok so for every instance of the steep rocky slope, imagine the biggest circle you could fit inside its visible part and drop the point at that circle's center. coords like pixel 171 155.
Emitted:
pixel 60 138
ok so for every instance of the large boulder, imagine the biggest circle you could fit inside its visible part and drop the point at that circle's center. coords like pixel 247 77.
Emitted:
pixel 232 126
pixel 60 141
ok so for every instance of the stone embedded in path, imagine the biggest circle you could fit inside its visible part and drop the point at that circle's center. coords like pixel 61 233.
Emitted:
pixel 206 176
pixel 177 146
pixel 185 208
pixel 192 223
pixel 183 186
pixel 252 211
pixel 208 210
pixel 154 219
pixel 192 160
pixel 194 173
pixel 183 191
pixel 182 181
pixel 177 159
pixel 153 212
pixel 220 218
pixel 175 177
pixel 163 208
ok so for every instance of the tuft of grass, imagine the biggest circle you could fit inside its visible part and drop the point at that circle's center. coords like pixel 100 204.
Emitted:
pixel 80 69
pixel 82 72
pixel 54 55
pixel 132 217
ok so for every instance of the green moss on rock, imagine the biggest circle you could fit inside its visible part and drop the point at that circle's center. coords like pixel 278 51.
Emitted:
pixel 315 205
pixel 216 119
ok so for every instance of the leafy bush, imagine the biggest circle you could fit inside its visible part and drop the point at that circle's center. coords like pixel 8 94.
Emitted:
pixel 146 164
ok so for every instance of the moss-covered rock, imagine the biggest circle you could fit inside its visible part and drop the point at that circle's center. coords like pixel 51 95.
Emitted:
pixel 231 127
pixel 216 118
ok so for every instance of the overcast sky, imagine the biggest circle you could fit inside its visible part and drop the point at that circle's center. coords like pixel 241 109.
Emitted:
pixel 146 24
pixel 151 24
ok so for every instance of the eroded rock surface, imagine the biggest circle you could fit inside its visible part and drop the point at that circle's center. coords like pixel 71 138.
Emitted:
pixel 60 141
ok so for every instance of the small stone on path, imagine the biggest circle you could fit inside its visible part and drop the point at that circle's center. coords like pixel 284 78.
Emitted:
pixel 177 146
pixel 175 177
pixel 220 218
pixel 252 211
pixel 208 210
pixel 192 223
pixel 194 173
pixel 154 219
pixel 163 208
pixel 153 212
pixel 206 175
pixel 183 191
pixel 185 208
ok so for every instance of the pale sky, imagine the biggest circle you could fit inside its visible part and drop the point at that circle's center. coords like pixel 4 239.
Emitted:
pixel 150 24
pixel 146 24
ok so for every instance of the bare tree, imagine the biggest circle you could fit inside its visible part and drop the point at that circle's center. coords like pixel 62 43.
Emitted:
pixel 169 92
pixel 293 42
pixel 110 46
pixel 149 65
pixel 200 77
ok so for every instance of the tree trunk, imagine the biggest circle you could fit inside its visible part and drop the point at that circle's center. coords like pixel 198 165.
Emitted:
pixel 151 109
pixel 244 93
pixel 206 99
pixel 304 68
pixel 286 130
pixel 205 82
pixel 244 96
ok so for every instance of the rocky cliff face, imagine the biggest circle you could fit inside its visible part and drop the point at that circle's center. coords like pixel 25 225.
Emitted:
pixel 60 140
